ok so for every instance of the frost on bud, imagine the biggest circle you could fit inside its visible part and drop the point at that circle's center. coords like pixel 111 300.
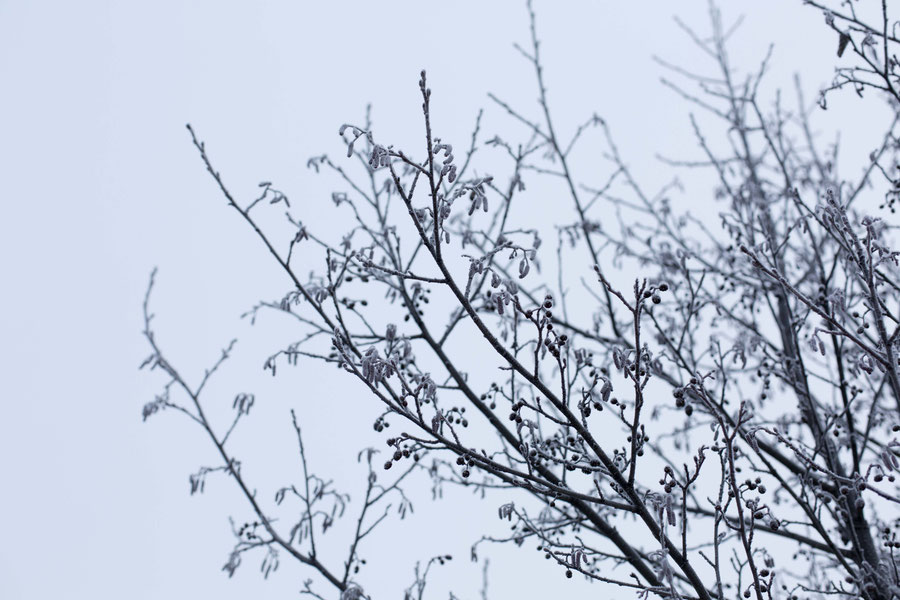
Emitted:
pixel 428 387
pixel 523 268
pixel 243 403
pixel 380 157
pixel 357 133
pixel 476 267
pixel 670 510
pixel 449 171
pixel 506 511
pixel 475 190
pixel 353 592
pixel 447 149
pixel 376 369
pixel 577 557
pixel 865 363
pixel 605 389
pixel 816 344
pixel 618 358
pixel 751 439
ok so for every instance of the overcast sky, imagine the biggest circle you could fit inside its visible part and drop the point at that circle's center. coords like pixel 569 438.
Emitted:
pixel 99 184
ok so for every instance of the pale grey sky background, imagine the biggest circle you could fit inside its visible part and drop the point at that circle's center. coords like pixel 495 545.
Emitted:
pixel 99 183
